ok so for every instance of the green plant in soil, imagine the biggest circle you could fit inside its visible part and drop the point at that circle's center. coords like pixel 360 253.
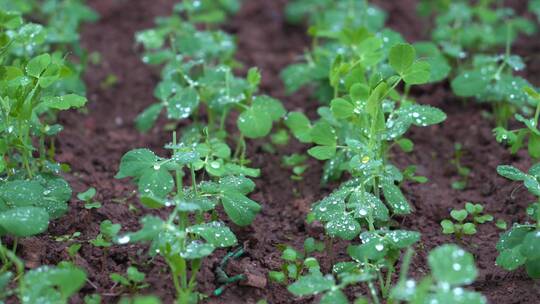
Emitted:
pixel 462 171
pixel 31 191
pixel 464 221
pixel 465 40
pixel 192 230
pixel 133 280
pixel 355 135
pixel 520 246
pixel 296 262
pixel 208 12
pixel 452 268
pixel 88 198
pixel 198 83
pixel 107 233
pixel 297 164
pixel 490 79
pixel 530 133
pixel 463 27
pixel 46 284
pixel 55 28
pixel 338 29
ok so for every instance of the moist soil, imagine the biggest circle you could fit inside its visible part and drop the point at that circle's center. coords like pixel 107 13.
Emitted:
pixel 93 143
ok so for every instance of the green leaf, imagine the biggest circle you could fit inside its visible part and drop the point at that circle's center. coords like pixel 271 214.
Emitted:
pixel 322 152
pixel 457 296
pixel 158 182
pixel 240 209
pixel 342 108
pixel 197 250
pixel 182 104
pixel 148 117
pixel 37 65
pixel 534 145
pixel 323 134
pixel 459 215
pixel 511 173
pixel 451 264
pixel 373 250
pixel 394 198
pixel 20 193
pixel 289 254
pixel 533 268
pixel 24 221
pixel 401 238
pixel 469 228
pixel 254 124
pixel 447 226
pixel 344 227
pixel 513 237
pixel 269 106
pixel 366 204
pixel 530 247
pixel 418 73
pixel 64 102
pixel 52 284
pixel 510 259
pixel 334 297
pixel 313 283
pixel 300 126
pixel 135 162
pixel 215 233
pixel 87 195
pixel 401 57
pixel 423 115
pixel 277 276
pixel 469 84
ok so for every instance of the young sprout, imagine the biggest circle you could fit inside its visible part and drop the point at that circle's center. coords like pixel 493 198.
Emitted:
pixel 462 227
pixel 296 262
pixel 520 246
pixel 88 198
pixel 133 281
pixel 462 170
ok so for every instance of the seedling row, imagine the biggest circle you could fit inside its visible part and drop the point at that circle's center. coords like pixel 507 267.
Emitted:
pixel 196 196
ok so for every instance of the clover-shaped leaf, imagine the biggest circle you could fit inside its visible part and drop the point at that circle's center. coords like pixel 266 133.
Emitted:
pixel 24 221
pixel 215 233
pixel 311 284
pixel 453 265
pixel 240 209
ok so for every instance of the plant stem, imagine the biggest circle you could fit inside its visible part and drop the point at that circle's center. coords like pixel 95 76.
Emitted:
pixel 373 293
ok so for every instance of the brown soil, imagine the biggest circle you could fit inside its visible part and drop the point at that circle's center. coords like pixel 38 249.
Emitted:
pixel 93 144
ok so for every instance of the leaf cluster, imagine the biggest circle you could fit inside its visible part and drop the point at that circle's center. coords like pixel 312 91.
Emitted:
pixel 519 246
pixel 464 221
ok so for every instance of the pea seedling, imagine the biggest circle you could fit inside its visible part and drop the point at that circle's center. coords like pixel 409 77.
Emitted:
pixel 295 262
pixel 462 227
pixel 187 235
pixel 88 198
pixel 462 171
pixel 297 163
pixel 379 251
pixel 356 133
pixel 519 246
pixel 516 138
pixel 452 268
pixel 133 281
pixel 108 232
pixel 197 74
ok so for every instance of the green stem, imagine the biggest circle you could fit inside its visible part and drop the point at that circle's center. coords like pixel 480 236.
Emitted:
pixel 193 180
pixel 373 293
